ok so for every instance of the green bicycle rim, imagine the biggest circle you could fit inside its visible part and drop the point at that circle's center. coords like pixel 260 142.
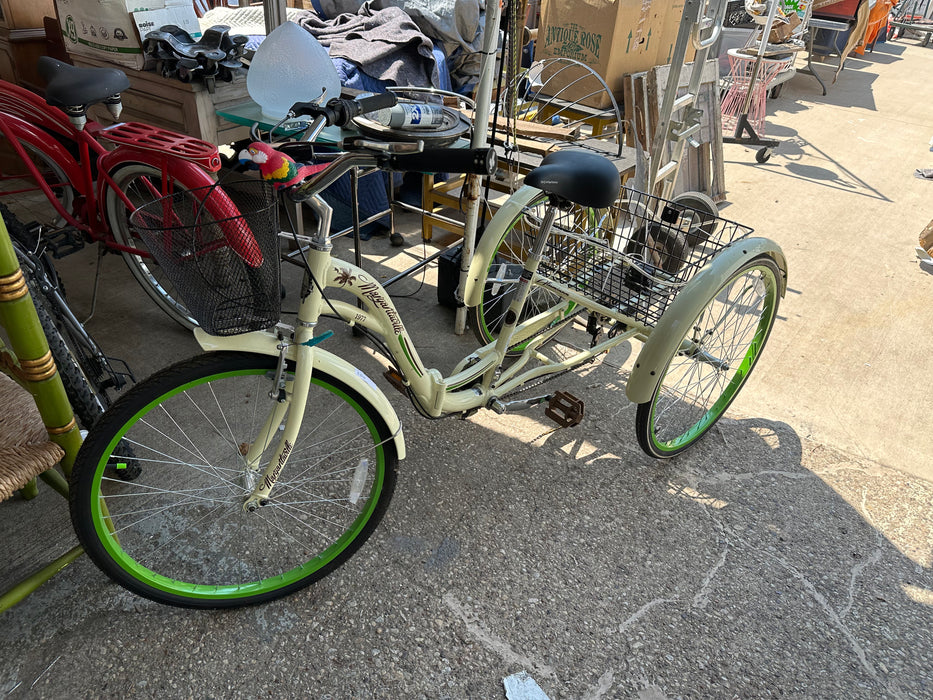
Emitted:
pixel 714 412
pixel 228 592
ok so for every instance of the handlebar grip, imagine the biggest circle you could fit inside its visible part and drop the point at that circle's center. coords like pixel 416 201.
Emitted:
pixel 472 161
pixel 371 103
pixel 339 112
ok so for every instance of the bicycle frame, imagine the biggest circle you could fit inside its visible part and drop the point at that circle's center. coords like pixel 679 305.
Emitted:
pixel 480 380
pixel 476 381
pixel 27 118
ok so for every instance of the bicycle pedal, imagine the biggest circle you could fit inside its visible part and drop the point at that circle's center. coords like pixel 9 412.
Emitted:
pixel 394 378
pixel 63 242
pixel 564 409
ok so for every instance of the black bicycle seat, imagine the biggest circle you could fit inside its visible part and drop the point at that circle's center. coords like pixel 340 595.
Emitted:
pixel 581 177
pixel 68 86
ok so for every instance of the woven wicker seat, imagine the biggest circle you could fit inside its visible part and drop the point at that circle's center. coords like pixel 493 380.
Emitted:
pixel 25 449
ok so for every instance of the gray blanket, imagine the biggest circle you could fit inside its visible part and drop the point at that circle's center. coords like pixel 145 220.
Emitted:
pixel 386 44
pixel 456 25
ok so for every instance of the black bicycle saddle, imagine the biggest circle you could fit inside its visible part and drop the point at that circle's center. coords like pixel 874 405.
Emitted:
pixel 582 177
pixel 68 86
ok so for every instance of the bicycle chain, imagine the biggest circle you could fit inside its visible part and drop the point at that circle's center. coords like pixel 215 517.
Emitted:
pixel 547 378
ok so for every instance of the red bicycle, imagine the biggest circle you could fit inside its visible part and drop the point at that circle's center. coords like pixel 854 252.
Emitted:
pixel 79 187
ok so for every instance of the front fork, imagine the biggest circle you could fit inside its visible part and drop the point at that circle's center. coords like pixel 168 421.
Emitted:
pixel 290 401
pixel 292 396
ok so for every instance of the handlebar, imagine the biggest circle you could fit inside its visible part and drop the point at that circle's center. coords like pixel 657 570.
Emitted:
pixel 476 161
pixel 388 156
pixel 339 112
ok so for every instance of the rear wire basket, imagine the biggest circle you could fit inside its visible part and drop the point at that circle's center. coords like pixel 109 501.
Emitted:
pixel 635 256
pixel 218 245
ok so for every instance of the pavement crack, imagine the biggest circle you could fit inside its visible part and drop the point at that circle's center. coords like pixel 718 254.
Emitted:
pixel 724 477
pixel 701 598
pixel 494 643
pixel 603 686
pixel 873 558
pixel 834 617
pixel 644 610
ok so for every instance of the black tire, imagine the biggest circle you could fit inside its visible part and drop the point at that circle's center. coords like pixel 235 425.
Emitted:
pixel 87 404
pixel 703 218
pixel 328 500
pixel 87 401
pixel 763 155
pixel 487 317
pixel 728 336
pixel 662 247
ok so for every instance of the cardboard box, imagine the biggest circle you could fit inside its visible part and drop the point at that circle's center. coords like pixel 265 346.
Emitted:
pixel 783 28
pixel 112 30
pixel 613 37
pixel 667 35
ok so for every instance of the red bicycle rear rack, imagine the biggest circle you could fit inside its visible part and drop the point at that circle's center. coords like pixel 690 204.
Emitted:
pixel 152 138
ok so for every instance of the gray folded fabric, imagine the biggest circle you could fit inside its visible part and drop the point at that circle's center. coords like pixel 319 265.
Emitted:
pixel 386 44
pixel 456 25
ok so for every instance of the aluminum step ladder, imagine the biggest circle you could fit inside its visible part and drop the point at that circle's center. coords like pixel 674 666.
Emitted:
pixel 701 26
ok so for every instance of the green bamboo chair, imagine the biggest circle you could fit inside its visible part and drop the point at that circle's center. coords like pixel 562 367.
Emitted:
pixel 37 426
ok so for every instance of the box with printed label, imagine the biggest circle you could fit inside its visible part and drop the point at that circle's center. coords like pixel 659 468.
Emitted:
pixel 112 30
pixel 612 37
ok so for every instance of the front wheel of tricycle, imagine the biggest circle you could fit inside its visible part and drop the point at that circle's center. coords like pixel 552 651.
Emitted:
pixel 179 533
pixel 715 357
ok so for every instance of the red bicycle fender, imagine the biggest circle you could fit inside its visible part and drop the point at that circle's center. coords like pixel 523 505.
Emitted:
pixel 219 205
pixel 35 136
pixel 31 108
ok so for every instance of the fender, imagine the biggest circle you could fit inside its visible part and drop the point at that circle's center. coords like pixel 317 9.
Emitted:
pixel 190 176
pixel 473 293
pixel 265 343
pixel 41 140
pixel 184 171
pixel 668 334
pixel 31 108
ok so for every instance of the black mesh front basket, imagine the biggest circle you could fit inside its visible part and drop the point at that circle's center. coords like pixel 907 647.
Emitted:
pixel 219 248
pixel 637 255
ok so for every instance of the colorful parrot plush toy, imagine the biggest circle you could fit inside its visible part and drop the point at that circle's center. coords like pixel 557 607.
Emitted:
pixel 276 167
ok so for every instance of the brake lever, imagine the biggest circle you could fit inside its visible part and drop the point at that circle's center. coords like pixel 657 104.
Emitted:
pixel 394 147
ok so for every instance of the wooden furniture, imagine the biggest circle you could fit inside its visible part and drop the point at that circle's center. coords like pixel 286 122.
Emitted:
pixel 37 426
pixel 22 39
pixel 187 108
pixel 438 199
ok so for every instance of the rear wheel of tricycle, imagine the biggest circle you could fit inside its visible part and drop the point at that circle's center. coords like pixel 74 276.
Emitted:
pixel 714 359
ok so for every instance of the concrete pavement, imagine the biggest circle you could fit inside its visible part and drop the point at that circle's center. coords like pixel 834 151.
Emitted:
pixel 790 554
